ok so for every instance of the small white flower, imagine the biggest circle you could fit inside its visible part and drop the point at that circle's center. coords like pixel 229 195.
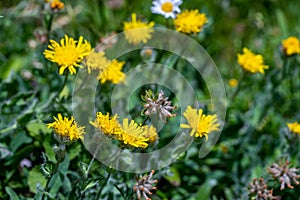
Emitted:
pixel 167 8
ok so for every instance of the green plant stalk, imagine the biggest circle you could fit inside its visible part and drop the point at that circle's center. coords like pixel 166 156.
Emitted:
pixel 54 171
pixel 63 85
pixel 239 87
pixel 49 179
pixel 106 180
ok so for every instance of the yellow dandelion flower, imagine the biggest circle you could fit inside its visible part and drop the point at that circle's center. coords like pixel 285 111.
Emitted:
pixel 108 125
pixel 151 133
pixel 137 31
pixel 201 124
pixel 252 62
pixel 67 129
pixel 134 135
pixel 233 82
pixel 190 21
pixel 69 53
pixel 291 46
pixel 112 73
pixel 294 127
pixel 96 61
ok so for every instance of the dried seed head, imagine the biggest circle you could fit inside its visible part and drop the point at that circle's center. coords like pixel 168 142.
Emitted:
pixel 144 185
pixel 258 190
pixel 284 174
pixel 158 105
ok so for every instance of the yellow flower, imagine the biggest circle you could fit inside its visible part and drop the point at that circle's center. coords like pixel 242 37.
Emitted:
pixel 190 21
pixel 56 4
pixel 67 129
pixel 96 61
pixel 294 127
pixel 137 31
pixel 108 125
pixel 291 45
pixel 112 73
pixel 252 62
pixel 107 70
pixel 134 135
pixel 201 124
pixel 68 53
pixel 233 82
pixel 151 133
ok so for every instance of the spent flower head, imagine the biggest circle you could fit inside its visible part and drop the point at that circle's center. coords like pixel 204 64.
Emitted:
pixel 284 174
pixel 158 104
pixel 291 46
pixel 167 8
pixel 66 129
pixel 69 53
pixel 199 123
pixel 258 189
pixel 144 185
pixel 252 62
pixel 137 31
pixel 190 21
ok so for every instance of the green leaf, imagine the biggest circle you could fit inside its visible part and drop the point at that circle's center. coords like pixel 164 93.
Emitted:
pixel 36 177
pixel 67 184
pixel 63 167
pixel 49 151
pixel 36 128
pixel 55 184
pixel 205 190
pixel 173 177
pixel 282 22
pixel 4 152
pixel 11 193
pixel 20 139
pixel 75 151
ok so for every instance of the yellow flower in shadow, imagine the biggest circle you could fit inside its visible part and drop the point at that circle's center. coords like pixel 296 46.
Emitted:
pixel 137 31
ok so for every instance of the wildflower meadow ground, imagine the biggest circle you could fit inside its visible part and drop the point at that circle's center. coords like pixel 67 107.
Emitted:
pixel 153 99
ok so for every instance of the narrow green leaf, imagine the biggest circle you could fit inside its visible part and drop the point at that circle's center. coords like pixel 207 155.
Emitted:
pixel 11 193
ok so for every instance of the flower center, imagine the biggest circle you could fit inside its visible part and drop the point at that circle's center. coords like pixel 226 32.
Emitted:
pixel 167 7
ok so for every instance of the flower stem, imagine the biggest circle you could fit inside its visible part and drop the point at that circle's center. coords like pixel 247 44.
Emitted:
pixel 106 180
pixel 144 122
pixel 49 179
pixel 238 88
pixel 63 85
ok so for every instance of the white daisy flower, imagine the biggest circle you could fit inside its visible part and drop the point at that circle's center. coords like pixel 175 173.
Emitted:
pixel 167 8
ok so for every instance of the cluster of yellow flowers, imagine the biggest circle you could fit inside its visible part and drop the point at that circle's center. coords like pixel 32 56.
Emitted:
pixel 70 53
pixel 130 134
